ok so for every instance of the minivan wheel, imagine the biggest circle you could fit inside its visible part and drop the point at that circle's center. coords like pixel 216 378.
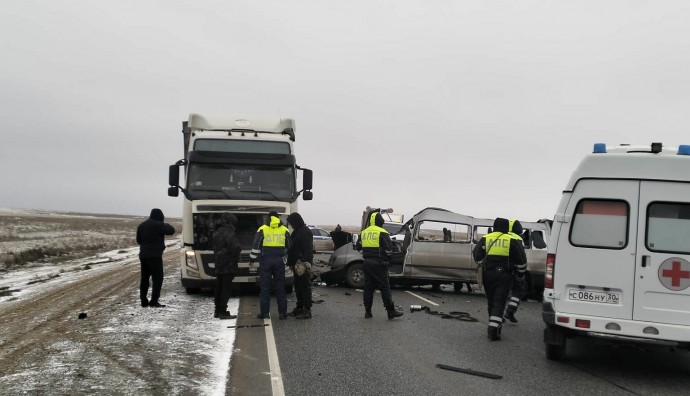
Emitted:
pixel 555 351
pixel 354 277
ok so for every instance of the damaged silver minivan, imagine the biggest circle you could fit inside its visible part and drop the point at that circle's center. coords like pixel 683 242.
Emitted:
pixel 437 249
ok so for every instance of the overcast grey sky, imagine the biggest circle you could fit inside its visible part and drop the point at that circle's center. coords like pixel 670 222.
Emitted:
pixel 481 107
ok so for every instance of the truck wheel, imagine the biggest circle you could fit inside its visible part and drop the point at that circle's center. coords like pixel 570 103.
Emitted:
pixel 192 290
pixel 555 351
pixel 354 277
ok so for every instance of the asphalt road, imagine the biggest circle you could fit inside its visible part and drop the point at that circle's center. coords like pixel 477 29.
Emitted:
pixel 338 352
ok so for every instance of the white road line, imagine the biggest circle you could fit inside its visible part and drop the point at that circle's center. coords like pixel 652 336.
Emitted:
pixel 273 363
pixel 224 352
pixel 421 298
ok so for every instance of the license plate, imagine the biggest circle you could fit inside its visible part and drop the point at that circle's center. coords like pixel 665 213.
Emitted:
pixel 594 296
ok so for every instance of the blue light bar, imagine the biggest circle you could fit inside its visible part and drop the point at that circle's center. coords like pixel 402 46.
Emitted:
pixel 599 148
pixel 684 149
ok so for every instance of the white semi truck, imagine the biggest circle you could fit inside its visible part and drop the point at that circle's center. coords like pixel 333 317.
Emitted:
pixel 233 164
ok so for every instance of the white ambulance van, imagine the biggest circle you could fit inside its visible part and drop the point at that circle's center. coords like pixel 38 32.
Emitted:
pixel 618 262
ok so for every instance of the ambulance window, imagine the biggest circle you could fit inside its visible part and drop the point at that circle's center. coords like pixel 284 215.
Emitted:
pixel 437 231
pixel 668 227
pixel 600 223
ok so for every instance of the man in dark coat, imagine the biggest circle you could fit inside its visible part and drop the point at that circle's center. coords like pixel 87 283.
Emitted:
pixel 498 254
pixel 377 248
pixel 301 248
pixel 151 239
pixel 226 249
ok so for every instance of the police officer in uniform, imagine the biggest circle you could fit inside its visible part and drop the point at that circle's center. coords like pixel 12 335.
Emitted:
pixel 500 253
pixel 517 290
pixel 377 248
pixel 270 244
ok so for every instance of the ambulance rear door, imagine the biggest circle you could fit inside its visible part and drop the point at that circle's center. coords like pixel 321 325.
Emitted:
pixel 662 281
pixel 595 258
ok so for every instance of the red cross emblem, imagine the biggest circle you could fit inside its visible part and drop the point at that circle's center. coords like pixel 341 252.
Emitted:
pixel 674 274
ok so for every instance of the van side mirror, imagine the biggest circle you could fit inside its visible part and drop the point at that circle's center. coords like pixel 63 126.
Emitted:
pixel 173 191
pixel 538 240
pixel 307 195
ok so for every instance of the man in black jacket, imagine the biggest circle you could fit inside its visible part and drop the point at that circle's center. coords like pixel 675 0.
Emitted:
pixel 151 239
pixel 226 249
pixel 499 254
pixel 302 249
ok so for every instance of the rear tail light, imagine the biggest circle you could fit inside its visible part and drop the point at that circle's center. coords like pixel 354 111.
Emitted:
pixel 582 323
pixel 563 319
pixel 550 265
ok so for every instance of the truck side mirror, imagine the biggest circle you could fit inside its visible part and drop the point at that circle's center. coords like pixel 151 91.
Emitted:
pixel 173 191
pixel 307 178
pixel 174 176
pixel 307 195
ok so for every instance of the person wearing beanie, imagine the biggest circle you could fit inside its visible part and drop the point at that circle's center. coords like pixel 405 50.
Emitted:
pixel 151 239
pixel 270 246
pixel 377 248
pixel 226 251
pixel 497 254
pixel 302 251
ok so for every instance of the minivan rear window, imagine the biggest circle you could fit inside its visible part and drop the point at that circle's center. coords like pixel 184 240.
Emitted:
pixel 600 224
pixel 668 227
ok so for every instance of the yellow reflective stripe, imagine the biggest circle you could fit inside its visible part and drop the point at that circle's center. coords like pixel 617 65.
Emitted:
pixel 274 237
pixel 499 248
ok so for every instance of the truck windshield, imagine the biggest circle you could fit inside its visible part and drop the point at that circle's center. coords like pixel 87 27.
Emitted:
pixel 255 182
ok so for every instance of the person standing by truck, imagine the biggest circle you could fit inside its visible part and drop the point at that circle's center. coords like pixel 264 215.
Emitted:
pixel 226 251
pixel 270 245
pixel 517 289
pixel 498 254
pixel 300 258
pixel 377 248
pixel 151 239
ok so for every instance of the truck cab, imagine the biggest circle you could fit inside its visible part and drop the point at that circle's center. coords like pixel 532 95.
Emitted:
pixel 233 164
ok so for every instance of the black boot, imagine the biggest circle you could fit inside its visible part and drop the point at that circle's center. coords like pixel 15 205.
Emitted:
pixel 511 317
pixel 368 315
pixel 226 315
pixel 493 333
pixel 394 313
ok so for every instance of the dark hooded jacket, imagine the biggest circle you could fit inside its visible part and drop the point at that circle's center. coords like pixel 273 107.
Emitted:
pixel 226 246
pixel 151 235
pixel 302 246
pixel 516 251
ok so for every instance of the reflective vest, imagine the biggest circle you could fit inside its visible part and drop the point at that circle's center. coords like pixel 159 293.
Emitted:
pixel 370 236
pixel 497 244
pixel 274 235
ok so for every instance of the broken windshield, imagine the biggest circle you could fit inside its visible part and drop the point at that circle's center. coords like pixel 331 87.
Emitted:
pixel 232 181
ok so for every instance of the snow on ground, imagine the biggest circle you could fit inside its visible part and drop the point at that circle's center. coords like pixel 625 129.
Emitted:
pixel 182 329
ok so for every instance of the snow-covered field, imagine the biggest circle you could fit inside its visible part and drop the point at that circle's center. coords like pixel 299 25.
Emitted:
pixel 189 350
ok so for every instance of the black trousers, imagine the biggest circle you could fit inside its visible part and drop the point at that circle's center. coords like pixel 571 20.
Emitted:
pixel 303 290
pixel 497 287
pixel 517 292
pixel 376 277
pixel 222 293
pixel 151 267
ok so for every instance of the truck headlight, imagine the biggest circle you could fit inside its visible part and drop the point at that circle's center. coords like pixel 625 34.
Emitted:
pixel 190 257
